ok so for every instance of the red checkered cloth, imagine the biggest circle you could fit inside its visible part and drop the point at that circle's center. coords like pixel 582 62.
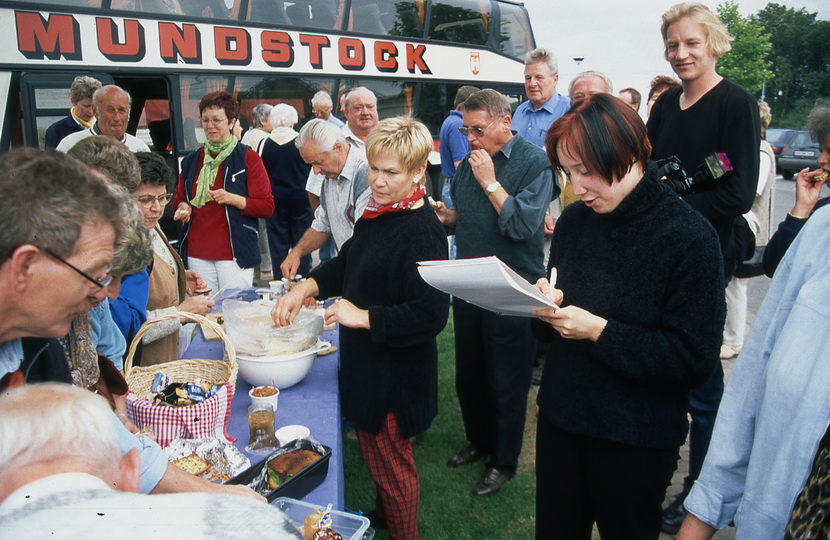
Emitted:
pixel 206 419
pixel 389 460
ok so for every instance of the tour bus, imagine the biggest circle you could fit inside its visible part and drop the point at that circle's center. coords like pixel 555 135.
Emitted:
pixel 413 54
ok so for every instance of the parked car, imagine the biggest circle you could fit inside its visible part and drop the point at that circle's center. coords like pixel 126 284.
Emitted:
pixel 778 138
pixel 802 152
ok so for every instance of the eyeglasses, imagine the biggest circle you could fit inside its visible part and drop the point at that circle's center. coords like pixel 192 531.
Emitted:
pixel 477 131
pixel 147 201
pixel 101 283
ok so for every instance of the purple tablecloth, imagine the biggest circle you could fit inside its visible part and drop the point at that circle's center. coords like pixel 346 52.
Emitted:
pixel 314 402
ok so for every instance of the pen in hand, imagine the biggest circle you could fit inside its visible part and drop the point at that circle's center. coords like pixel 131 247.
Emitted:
pixel 552 279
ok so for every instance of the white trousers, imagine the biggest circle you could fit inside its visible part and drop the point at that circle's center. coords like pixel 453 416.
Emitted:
pixel 736 299
pixel 222 274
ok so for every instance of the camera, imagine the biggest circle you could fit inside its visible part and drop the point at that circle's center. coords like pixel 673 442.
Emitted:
pixel 714 169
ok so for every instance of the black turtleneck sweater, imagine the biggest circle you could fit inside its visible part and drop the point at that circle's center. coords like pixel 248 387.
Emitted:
pixel 652 268
pixel 394 366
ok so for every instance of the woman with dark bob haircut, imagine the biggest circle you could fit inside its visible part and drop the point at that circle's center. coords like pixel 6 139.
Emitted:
pixel 639 282
pixel 223 188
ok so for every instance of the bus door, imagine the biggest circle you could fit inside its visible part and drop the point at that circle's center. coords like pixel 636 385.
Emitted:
pixel 44 99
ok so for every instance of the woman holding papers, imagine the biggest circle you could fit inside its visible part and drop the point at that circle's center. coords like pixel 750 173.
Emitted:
pixel 640 285
pixel 388 317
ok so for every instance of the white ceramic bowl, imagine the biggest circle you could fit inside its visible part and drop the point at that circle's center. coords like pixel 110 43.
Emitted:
pixel 286 434
pixel 285 370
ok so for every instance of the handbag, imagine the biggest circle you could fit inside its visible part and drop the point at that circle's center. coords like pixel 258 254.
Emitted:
pixel 110 382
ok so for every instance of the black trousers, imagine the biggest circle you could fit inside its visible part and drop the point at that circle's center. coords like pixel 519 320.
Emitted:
pixel 494 362
pixel 581 480
pixel 285 228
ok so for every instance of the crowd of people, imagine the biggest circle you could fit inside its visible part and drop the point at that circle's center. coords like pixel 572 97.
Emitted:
pixel 647 277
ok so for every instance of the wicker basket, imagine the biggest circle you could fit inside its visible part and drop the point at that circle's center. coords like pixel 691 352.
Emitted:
pixel 140 379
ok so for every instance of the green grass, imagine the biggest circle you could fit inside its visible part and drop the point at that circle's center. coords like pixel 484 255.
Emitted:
pixel 448 511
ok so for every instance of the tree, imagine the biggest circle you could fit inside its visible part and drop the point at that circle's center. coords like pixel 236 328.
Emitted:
pixel 800 59
pixel 748 62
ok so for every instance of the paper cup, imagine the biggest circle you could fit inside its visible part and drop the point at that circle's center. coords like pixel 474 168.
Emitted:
pixel 286 434
pixel 271 400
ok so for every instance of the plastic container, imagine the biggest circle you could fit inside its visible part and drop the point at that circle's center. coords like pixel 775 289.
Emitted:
pixel 350 526
pixel 251 330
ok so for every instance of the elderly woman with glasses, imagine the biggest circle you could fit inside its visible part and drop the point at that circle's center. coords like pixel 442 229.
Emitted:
pixel 171 287
pixel 223 188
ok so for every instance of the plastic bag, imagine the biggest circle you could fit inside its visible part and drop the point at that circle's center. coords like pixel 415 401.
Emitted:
pixel 251 330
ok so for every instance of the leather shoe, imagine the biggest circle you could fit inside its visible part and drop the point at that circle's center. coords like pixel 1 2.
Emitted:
pixel 469 454
pixel 490 483
pixel 673 515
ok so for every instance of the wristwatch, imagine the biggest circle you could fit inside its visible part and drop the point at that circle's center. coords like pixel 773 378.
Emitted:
pixel 490 189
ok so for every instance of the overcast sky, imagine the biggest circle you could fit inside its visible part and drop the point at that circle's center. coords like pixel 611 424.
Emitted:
pixel 621 39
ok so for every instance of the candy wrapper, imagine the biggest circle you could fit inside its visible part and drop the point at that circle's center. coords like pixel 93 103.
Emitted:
pixel 260 482
pixel 226 461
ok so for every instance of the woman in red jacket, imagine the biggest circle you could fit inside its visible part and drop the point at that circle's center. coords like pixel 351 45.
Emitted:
pixel 223 188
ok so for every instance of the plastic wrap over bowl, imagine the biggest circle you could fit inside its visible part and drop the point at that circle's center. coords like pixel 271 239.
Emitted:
pixel 251 330
pixel 285 370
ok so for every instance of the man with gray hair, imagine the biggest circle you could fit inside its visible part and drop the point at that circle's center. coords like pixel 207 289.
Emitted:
pixel 589 83
pixel 361 110
pixel 341 168
pixel 81 114
pixel 112 111
pixel 499 195
pixel 62 475
pixel 321 106
pixel 261 118
pixel 544 105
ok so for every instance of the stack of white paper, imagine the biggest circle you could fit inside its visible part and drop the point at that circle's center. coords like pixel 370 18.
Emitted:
pixel 487 283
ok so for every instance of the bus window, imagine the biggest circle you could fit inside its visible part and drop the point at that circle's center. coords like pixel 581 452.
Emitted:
pixel 67 3
pixel 322 14
pixel 515 35
pixel 459 21
pixel 268 11
pixel 250 91
pixel 408 19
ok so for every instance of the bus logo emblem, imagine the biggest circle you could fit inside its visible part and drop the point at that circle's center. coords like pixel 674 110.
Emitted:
pixel 475 62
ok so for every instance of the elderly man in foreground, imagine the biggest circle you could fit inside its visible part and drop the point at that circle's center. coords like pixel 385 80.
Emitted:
pixel 58 225
pixel 345 189
pixel 112 112
pixel 62 475
pixel 500 194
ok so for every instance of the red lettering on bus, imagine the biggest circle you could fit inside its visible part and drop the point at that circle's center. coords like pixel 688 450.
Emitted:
pixel 415 57
pixel 386 57
pixel 233 46
pixel 39 38
pixel 315 44
pixel 132 49
pixel 352 54
pixel 277 49
pixel 183 43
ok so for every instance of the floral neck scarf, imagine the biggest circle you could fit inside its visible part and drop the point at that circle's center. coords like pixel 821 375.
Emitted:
pixel 210 166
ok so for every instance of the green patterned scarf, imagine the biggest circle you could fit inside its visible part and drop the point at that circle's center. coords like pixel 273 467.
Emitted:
pixel 209 168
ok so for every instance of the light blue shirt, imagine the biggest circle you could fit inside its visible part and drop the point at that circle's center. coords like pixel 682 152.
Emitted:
pixel 153 458
pixel 776 406
pixel 11 355
pixel 334 120
pixel 106 337
pixel 534 125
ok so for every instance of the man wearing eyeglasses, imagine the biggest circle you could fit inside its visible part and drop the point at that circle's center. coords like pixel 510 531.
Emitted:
pixel 499 197
pixel 58 224
pixel 321 106
pixel 112 112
